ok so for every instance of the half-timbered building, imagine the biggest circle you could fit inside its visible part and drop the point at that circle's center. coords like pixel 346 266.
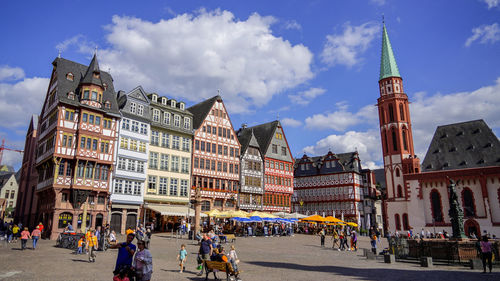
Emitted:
pixel 76 143
pixel 216 161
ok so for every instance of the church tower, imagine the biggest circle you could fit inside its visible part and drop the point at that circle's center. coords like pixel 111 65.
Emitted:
pixel 395 125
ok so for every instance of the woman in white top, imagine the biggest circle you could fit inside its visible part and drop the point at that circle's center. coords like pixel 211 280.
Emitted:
pixel 143 262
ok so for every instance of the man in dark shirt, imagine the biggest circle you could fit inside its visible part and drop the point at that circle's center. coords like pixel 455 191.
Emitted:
pixel 126 252
pixel 205 250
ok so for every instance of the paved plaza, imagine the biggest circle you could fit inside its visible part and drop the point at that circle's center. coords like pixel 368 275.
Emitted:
pixel 273 258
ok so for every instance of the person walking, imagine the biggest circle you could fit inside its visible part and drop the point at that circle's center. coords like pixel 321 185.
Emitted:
pixel 335 238
pixel 15 232
pixel 233 259
pixel 80 246
pixel 35 235
pixel 322 235
pixel 25 235
pixel 181 257
pixel 354 241
pixel 40 227
pixel 126 251
pixel 143 262
pixel 9 233
pixel 205 251
pixel 92 245
pixel 373 242
pixel 486 253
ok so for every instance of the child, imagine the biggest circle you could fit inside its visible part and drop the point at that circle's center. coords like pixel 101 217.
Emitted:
pixel 80 246
pixel 182 256
pixel 233 259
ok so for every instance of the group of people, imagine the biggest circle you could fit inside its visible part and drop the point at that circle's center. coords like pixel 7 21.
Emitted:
pixel 14 232
pixel 210 250
pixel 344 239
pixel 132 260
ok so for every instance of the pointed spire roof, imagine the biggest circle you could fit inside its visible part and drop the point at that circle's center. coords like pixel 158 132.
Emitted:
pixel 388 66
pixel 93 68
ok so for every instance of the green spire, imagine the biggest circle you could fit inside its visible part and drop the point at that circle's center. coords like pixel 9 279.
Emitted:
pixel 388 66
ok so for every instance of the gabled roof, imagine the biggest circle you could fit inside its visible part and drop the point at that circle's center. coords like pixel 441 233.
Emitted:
pixel 388 66
pixel 201 110
pixel 247 138
pixel 4 177
pixel 264 133
pixel 63 67
pixel 93 68
pixel 463 145
pixel 344 162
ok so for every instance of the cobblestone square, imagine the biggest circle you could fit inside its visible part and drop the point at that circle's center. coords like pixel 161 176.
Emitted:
pixel 272 258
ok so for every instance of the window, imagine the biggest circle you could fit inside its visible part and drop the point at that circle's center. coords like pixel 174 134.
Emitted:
pixel 64 197
pixel 391 113
pixel 124 143
pixel 121 163
pixel 176 142
pixel 163 186
pixel 153 160
pixel 164 162
pixel 7 192
pixel 214 148
pixel 69 115
pixel 152 182
pixel 231 152
pixel 219 149
pixel 397 172
pixel 140 110
pixel 127 187
pixel 173 187
pixel 94 95
pixel 165 140
pixel 219 166
pixel 89 170
pixel 184 188
pixel 91 119
pixel 80 170
pixel 405 143
pixel 196 162
pixel 202 146
pixel 133 107
pixel 144 129
pixel 187 123
pixel 279 136
pixel 185 165
pixel 61 168
pixel 126 124
pixel 69 76
pixel 86 94
pixel 220 132
pixel 85 117
pixel 394 140
pixel 397 222
pixel 177 121
pixel 406 225
pixel 140 167
pixel 275 149
pixel 205 206
pixel 283 151
pixel 156 115
pixel 175 164
pixel 166 118
pixel 155 137
pixel 106 123
pixel 186 144
pixel 101 200
pixel 401 112
pixel 137 188
pixel 202 163
pixel 437 209
pixel 135 126
pixel 225 150
pixel 400 191
pixel 94 144
pixel 98 120
pixel 468 202
pixel 64 220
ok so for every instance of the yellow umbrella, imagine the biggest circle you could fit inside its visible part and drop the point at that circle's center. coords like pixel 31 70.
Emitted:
pixel 261 215
pixel 333 219
pixel 316 218
pixel 352 224
pixel 224 214
pixel 212 213
pixel 238 214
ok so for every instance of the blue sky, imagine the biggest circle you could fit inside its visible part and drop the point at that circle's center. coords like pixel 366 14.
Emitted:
pixel 315 64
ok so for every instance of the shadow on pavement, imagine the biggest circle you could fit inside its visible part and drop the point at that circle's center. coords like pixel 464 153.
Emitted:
pixel 384 273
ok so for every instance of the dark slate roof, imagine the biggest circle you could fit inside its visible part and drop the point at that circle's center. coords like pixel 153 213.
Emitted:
pixel 380 178
pixel 89 77
pixel 63 67
pixel 343 162
pixel 201 110
pixel 4 177
pixel 245 137
pixel 469 144
pixel 264 134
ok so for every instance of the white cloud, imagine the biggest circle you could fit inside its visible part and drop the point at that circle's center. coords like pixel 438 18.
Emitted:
pixel 305 97
pixel 18 101
pixel 492 3
pixel 8 73
pixel 346 48
pixel 191 56
pixel 290 122
pixel 342 119
pixel 485 34
pixel 378 2
pixel 426 114
pixel 80 41
pixel 366 143
pixel 293 24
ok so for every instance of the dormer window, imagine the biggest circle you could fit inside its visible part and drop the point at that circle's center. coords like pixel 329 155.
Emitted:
pixel 86 94
pixel 476 131
pixel 154 98
pixel 164 101
pixel 488 145
pixel 105 86
pixel 461 133
pixel 70 76
pixel 71 96
pixel 172 103
pixel 107 104
pixel 96 75
pixel 181 105
pixel 453 149
pixel 133 107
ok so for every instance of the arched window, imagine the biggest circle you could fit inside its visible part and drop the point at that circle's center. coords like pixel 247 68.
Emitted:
pixel 80 218
pixel 468 202
pixel 401 112
pixel 397 172
pixel 406 225
pixel 382 115
pixel 391 113
pixel 398 222
pixel 405 142
pixel 400 191
pixel 394 140
pixel 64 219
pixel 437 208
pixel 386 144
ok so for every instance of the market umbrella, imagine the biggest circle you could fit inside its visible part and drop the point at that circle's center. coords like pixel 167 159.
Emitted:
pixel 352 224
pixel 212 213
pixel 295 216
pixel 238 219
pixel 239 214
pixel 332 219
pixel 224 214
pixel 261 215
pixel 315 218
pixel 280 214
pixel 255 219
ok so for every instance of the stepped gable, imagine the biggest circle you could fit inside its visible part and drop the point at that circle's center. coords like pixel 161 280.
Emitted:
pixel 463 145
pixel 201 110
pixel 65 86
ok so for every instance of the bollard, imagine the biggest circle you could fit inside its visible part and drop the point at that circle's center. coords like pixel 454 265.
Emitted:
pixel 388 258
pixel 426 261
pixel 475 264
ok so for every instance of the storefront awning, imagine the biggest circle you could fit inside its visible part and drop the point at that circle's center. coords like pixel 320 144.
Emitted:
pixel 172 210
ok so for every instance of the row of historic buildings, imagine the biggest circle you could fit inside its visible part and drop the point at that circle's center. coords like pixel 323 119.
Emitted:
pixel 95 156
